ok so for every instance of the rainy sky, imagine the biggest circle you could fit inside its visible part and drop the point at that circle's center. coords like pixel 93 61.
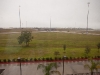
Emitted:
pixel 38 13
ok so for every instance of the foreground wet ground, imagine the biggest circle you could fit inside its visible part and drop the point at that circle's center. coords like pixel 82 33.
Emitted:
pixel 70 68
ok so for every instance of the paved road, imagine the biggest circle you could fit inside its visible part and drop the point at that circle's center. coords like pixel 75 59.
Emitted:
pixel 31 68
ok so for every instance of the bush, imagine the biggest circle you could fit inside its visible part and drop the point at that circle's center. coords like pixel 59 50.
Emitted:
pixel 78 58
pixel 43 59
pixel 31 59
pixel 86 57
pixel 26 60
pixel 9 60
pixel 60 58
pixel 95 57
pixel 4 60
pixel 23 59
pixel 56 58
pixel 66 58
pixel 39 59
pixel 47 59
pixel 51 58
pixel 14 60
pixel 82 57
pixel 74 58
pixel 70 58
pixel 35 59
pixel 98 56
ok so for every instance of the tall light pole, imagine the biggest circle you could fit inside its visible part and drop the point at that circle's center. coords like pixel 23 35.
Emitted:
pixel 63 64
pixel 50 23
pixel 19 17
pixel 19 60
pixel 87 16
pixel 64 48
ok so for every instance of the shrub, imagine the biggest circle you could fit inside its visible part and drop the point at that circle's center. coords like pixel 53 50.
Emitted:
pixel 95 57
pixel 47 58
pixel 82 57
pixel 35 59
pixel 66 58
pixel 26 60
pixel 70 58
pixel 4 60
pixel 86 57
pixel 60 58
pixel 9 60
pixel 92 57
pixel 14 60
pixel 51 58
pixel 56 58
pixel 98 56
pixel 23 59
pixel 73 57
pixel 43 59
pixel 77 58
pixel 31 59
pixel 39 59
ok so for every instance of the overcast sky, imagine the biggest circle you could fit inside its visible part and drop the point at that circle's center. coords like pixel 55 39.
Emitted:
pixel 37 13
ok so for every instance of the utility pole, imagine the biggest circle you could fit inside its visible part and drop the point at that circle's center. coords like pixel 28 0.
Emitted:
pixel 87 16
pixel 50 23
pixel 19 17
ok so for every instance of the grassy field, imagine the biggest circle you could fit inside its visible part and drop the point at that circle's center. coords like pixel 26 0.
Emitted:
pixel 45 44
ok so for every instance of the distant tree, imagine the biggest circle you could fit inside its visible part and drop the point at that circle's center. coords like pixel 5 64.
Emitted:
pixel 98 45
pixel 25 37
pixel 87 51
pixel 64 48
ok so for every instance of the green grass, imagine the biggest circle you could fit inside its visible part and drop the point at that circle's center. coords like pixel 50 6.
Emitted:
pixel 45 44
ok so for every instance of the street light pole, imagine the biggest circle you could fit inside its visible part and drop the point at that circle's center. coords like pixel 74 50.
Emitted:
pixel 63 65
pixel 19 60
pixel 87 16
pixel 19 17
pixel 50 23
pixel 64 47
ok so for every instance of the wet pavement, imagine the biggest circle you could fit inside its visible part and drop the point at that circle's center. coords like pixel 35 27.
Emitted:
pixel 70 68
